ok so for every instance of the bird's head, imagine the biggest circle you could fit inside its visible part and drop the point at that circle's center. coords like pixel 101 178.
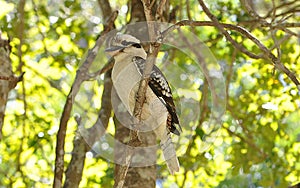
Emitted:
pixel 126 44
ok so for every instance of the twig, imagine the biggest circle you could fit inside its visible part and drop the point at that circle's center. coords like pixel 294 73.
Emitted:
pixel 284 25
pixel 292 11
pixel 81 75
pixel 284 4
pixel 273 11
pixel 276 61
pixel 287 30
pixel 290 24
pixel 225 33
pixel 279 42
pixel 228 26
pixel 252 12
pixel 13 79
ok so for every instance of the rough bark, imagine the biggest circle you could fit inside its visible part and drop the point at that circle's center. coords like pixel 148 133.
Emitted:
pixel 136 176
pixel 137 11
pixel 105 8
pixel 7 79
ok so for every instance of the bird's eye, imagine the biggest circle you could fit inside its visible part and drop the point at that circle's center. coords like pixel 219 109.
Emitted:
pixel 137 45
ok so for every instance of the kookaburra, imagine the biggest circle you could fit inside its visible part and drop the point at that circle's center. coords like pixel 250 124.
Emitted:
pixel 158 111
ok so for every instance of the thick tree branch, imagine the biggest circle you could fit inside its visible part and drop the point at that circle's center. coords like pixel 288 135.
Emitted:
pixel 105 8
pixel 74 171
pixel 136 11
pixel 84 139
pixel 81 75
pixel 20 32
pixel 7 79
pixel 160 9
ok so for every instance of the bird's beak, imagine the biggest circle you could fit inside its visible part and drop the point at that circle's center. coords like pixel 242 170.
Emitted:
pixel 113 50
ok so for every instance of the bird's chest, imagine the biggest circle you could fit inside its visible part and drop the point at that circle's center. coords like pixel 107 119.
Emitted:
pixel 126 79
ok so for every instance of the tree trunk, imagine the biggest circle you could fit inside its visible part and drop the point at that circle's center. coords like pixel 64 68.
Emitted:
pixel 142 176
pixel 7 79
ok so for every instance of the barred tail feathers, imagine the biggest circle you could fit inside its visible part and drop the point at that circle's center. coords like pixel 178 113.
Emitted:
pixel 169 154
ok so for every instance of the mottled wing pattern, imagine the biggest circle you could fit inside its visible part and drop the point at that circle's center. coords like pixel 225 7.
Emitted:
pixel 160 86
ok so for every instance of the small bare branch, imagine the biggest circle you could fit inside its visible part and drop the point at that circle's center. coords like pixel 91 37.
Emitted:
pixel 147 9
pixel 267 53
pixel 13 80
pixel 225 33
pixel 283 5
pixel 105 8
pixel 289 24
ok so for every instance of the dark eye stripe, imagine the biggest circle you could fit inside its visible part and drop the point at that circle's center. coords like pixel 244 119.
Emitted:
pixel 125 43
pixel 136 45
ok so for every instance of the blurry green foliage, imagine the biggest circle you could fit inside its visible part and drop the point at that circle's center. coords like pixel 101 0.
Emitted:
pixel 257 146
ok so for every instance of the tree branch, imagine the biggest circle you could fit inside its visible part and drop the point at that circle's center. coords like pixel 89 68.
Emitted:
pixel 7 79
pixel 81 75
pixel 266 52
pixel 12 79
pixel 84 139
pixel 105 8
pixel 224 32
pixel 21 29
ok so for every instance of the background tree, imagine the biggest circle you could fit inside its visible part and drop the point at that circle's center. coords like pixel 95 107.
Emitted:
pixel 53 116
